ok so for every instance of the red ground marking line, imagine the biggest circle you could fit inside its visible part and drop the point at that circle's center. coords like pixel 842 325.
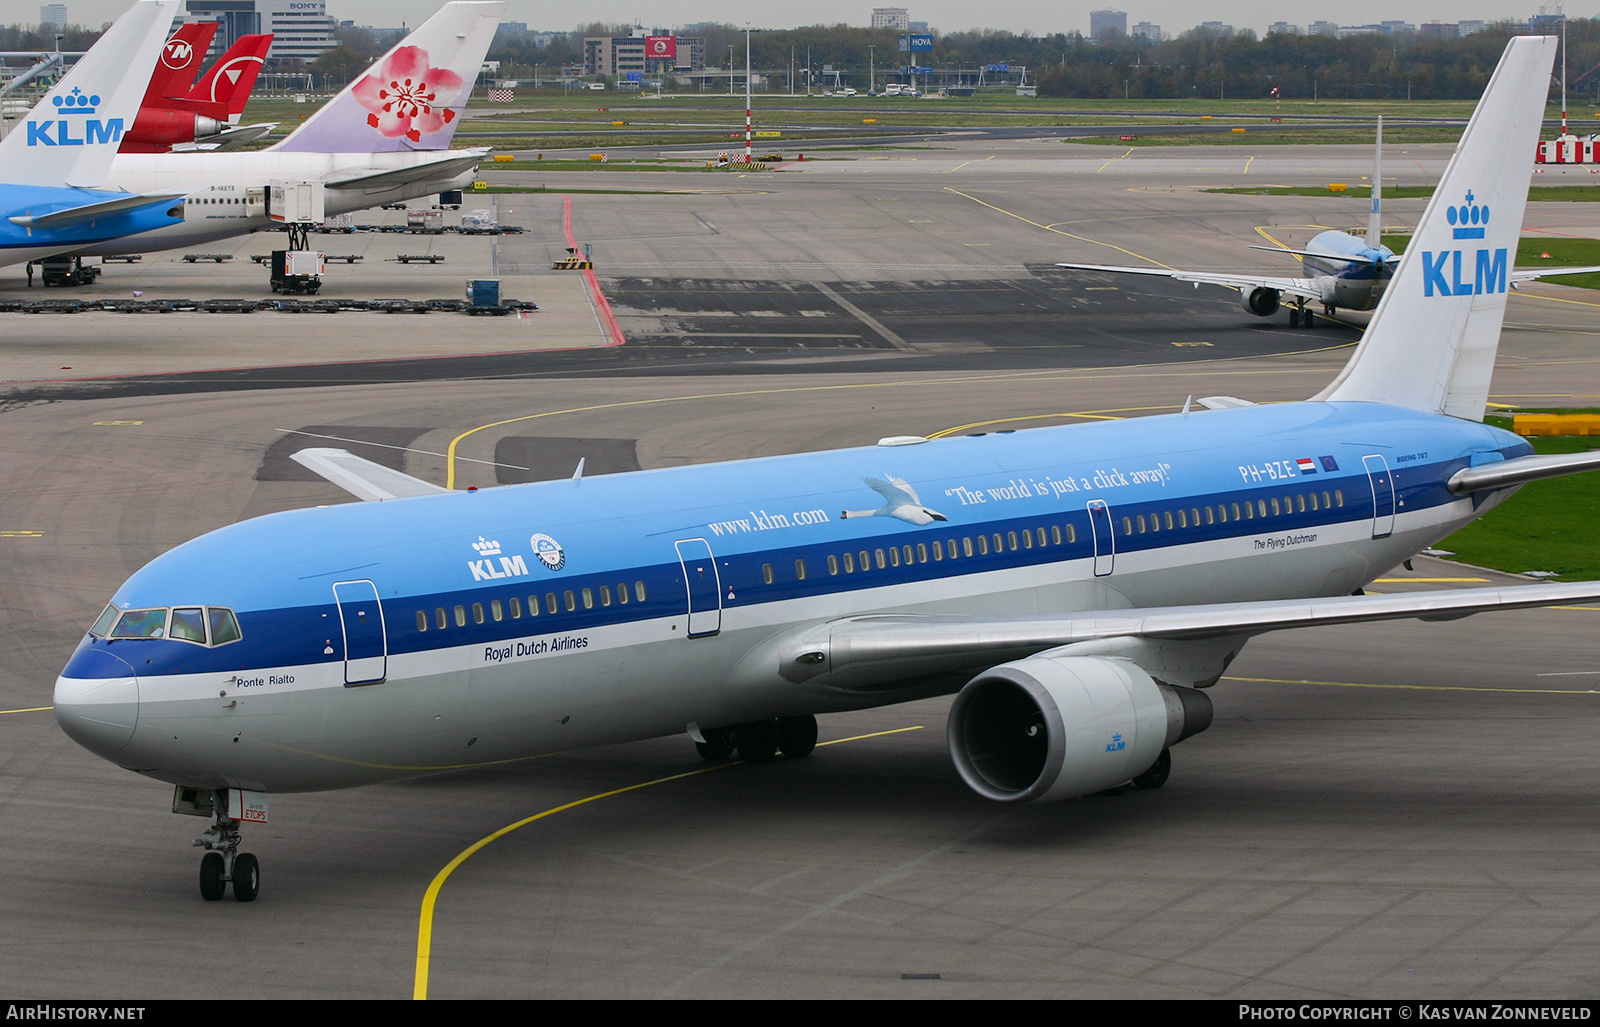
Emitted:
pixel 600 301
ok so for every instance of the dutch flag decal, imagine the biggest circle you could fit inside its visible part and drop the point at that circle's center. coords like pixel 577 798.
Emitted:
pixel 1307 466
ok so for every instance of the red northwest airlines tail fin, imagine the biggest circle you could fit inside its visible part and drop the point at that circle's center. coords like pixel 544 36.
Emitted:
pixel 230 80
pixel 180 61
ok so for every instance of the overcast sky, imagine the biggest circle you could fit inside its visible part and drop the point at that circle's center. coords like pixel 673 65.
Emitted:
pixel 1038 16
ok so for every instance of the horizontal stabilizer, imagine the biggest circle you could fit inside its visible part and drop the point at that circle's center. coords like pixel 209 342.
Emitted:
pixel 92 211
pixel 1505 473
pixel 1223 402
pixel 1344 257
pixel 361 477
pixel 378 181
pixel 227 139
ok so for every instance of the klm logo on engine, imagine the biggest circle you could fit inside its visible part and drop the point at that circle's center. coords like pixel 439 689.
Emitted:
pixel 1464 272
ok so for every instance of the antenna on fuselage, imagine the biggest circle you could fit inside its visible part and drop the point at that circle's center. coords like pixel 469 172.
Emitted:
pixel 577 475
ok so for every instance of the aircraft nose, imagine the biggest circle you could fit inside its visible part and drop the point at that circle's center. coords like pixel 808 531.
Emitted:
pixel 97 701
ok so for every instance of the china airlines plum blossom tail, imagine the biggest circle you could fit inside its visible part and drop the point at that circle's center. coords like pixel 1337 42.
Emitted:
pixel 1431 344
pixel 412 98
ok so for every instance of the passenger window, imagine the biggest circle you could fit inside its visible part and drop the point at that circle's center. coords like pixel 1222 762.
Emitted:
pixel 833 563
pixel 461 616
pixel 882 562
pixel 1327 502
pixel 997 542
pixel 605 595
pixel 983 545
pixel 951 547
pixel 477 613
pixel 572 600
pixel 1011 537
pixel 894 557
pixel 516 608
pixel 588 599
pixel 1027 538
pixel 438 617
pixel 1314 501
pixel 497 610
pixel 938 552
pixel 865 561
pixel 1127 525
pixel 550 602
pixel 1338 497
pixel 922 552
pixel 800 570
pixel 1167 516
pixel 966 545
pixel 638 591
pixel 533 606
pixel 766 574
pixel 1072 533
pixel 905 554
pixel 188 625
pixel 849 564
pixel 1274 507
pixel 1141 524
pixel 1055 533
pixel 622 592
pixel 422 621
pixel 1211 515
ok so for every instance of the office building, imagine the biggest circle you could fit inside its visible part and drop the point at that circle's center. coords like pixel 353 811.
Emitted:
pixel 1107 23
pixel 301 30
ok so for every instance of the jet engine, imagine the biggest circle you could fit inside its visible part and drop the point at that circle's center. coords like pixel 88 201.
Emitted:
pixel 1261 302
pixel 158 129
pixel 1049 728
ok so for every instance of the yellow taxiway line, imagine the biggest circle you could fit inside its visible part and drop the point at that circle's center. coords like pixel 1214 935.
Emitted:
pixel 419 988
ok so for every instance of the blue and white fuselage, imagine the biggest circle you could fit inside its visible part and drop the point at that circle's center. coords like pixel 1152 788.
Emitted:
pixel 381 640
pixel 1355 276
pixel 24 238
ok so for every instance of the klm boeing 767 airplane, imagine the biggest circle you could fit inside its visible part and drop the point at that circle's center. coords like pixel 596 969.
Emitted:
pixel 1076 588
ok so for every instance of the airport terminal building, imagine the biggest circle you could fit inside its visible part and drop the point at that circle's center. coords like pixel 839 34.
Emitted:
pixel 302 30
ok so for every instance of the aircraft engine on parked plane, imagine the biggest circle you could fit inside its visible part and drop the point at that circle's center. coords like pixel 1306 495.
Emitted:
pixel 1049 728
pixel 1261 302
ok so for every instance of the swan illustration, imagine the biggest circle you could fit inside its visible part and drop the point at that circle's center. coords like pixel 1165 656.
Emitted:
pixel 900 500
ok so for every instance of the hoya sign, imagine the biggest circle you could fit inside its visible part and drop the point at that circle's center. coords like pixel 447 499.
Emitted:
pixel 60 132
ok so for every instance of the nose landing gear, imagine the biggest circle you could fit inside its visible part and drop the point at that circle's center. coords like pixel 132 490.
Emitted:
pixel 223 864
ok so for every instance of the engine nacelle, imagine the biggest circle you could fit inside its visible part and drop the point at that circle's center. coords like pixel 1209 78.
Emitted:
pixel 1049 728
pixel 1261 302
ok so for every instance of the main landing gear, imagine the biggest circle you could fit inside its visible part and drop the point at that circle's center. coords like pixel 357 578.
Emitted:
pixel 760 741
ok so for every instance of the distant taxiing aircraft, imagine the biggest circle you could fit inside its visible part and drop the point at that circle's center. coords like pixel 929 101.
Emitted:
pixel 1344 271
pixel 54 162
pixel 1076 588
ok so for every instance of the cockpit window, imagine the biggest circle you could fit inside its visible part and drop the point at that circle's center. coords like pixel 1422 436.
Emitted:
pixel 185 624
pixel 224 628
pixel 103 625
pixel 188 625
pixel 141 624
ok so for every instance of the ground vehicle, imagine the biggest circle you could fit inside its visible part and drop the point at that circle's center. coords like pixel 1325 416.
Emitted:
pixel 297 271
pixel 68 271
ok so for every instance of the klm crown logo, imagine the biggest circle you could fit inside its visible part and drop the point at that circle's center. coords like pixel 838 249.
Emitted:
pixel 485 547
pixel 1442 271
pixel 75 102
pixel 1470 217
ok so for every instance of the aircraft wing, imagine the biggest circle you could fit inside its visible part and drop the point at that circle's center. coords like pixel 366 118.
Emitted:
pixel 866 652
pixel 377 181
pixel 227 139
pixel 91 211
pixel 361 477
pixel 1304 287
pixel 1533 274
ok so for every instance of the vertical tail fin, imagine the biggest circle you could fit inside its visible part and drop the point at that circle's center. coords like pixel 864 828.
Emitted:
pixel 229 81
pixel 181 57
pixel 72 135
pixel 1432 341
pixel 412 98
pixel 1375 219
